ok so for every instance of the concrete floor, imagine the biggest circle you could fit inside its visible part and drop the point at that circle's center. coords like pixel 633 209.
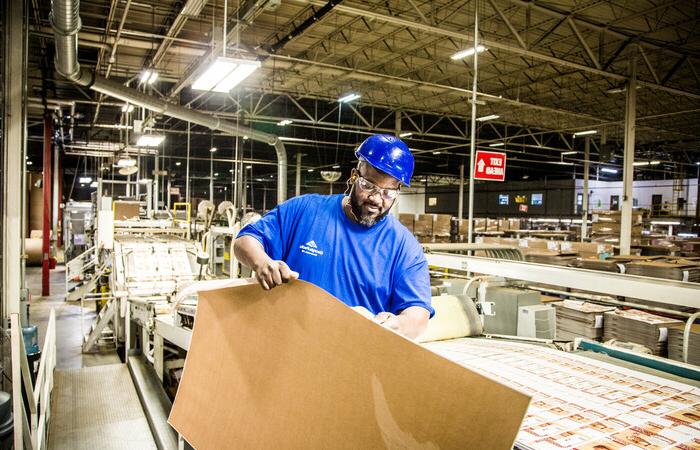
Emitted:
pixel 69 334
pixel 94 402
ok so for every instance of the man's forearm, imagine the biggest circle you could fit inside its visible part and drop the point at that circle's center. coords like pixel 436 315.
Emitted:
pixel 413 321
pixel 250 252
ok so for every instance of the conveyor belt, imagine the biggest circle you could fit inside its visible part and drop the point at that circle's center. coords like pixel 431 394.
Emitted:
pixel 583 403
pixel 97 408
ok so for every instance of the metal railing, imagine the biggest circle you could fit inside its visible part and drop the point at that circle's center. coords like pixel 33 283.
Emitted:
pixel 30 430
pixel 489 250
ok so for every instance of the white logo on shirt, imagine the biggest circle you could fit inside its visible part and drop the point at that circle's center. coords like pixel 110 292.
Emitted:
pixel 310 248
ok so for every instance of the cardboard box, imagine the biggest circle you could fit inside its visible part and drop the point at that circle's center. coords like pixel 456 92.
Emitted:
pixel 407 220
pixel 503 225
pixel 513 224
pixel 295 368
pixel 441 225
pixel 125 210
pixel 491 225
pixel 423 225
pixel 479 225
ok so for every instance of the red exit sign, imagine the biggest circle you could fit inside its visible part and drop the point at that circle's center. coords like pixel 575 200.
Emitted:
pixel 490 166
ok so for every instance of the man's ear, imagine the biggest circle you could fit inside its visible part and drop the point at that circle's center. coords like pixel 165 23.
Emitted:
pixel 353 175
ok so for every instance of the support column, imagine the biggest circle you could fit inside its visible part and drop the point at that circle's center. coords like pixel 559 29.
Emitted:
pixel 628 161
pixel 397 123
pixel 297 182
pixel 584 206
pixel 472 137
pixel 697 198
pixel 460 203
pixel 46 222
pixel 13 162
pixel 156 190
pixel 187 167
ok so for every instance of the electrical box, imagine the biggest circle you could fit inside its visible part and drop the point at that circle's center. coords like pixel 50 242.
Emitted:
pixel 505 302
pixel 537 321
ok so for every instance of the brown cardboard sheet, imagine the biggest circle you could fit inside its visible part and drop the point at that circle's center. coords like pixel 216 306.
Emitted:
pixel 295 368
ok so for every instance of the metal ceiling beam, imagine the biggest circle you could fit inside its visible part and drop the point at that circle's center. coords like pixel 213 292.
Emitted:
pixel 510 26
pixel 504 46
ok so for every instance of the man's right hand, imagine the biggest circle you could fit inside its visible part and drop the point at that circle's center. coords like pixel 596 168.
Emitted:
pixel 271 273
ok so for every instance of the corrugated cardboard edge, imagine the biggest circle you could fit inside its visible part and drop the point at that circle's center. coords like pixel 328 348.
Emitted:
pixel 489 426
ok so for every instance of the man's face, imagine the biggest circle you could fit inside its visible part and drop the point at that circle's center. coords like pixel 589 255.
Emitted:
pixel 369 208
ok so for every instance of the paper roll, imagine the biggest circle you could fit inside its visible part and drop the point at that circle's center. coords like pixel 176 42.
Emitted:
pixel 33 250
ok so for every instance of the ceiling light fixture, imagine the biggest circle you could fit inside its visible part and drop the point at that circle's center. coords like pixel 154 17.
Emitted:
pixel 85 180
pixel 178 163
pixel 126 162
pixel 608 170
pixel 569 153
pixel 347 98
pixel 405 135
pixel 245 138
pixel 497 144
pixel 149 76
pixel 29 163
pixel 585 133
pixel 127 107
pixel 336 166
pixel 224 74
pixel 248 167
pixel 489 117
pixel 468 52
pixel 150 140
pixel 285 122
pixel 309 170
pixel 213 149
pixel 292 139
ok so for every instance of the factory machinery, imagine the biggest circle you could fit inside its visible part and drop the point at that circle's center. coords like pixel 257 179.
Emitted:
pixel 490 317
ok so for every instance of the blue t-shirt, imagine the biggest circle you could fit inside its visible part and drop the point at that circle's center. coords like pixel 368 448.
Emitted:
pixel 381 267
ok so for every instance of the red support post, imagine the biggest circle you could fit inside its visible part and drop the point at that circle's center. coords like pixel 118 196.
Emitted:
pixel 46 184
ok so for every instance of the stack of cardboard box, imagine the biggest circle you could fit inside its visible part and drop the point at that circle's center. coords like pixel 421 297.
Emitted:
pixel 606 226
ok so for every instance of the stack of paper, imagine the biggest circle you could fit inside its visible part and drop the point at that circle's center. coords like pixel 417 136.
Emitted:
pixel 640 327
pixel 670 269
pixel 553 258
pixel 675 343
pixel 594 263
pixel 580 319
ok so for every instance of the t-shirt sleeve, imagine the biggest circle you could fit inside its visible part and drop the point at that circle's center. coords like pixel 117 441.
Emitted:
pixel 272 229
pixel 412 284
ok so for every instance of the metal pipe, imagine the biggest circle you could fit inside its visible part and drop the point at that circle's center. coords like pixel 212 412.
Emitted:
pixel 628 160
pixel 46 184
pixel 460 203
pixel 297 184
pixel 584 203
pixel 65 21
pixel 472 137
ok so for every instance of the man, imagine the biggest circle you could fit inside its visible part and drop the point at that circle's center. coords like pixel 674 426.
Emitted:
pixel 347 244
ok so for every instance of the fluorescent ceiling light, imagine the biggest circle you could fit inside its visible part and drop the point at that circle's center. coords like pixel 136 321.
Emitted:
pixel 230 170
pixel 216 174
pixel 497 144
pixel 245 138
pixel 292 139
pixel 178 163
pixel 348 98
pixel 437 152
pixel 127 108
pixel 608 170
pixel 285 122
pixel 489 117
pixel 149 76
pixel 93 184
pixel 248 167
pixel 150 140
pixel 224 74
pixel 407 134
pixel 85 180
pixel 564 163
pixel 568 153
pixel 654 163
pixel 585 133
pixel 665 222
pixel 468 52
pixel 336 166
pixel 126 162
pixel 29 163
pixel 213 149
pixel 309 170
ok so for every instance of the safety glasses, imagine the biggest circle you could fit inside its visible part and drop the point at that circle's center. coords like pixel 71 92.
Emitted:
pixel 371 189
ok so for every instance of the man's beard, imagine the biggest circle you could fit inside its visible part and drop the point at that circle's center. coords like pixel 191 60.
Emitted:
pixel 366 219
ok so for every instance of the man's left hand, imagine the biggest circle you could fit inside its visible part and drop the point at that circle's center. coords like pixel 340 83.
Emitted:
pixel 411 322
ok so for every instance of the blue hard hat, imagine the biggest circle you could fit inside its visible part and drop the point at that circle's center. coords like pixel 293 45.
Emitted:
pixel 388 154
